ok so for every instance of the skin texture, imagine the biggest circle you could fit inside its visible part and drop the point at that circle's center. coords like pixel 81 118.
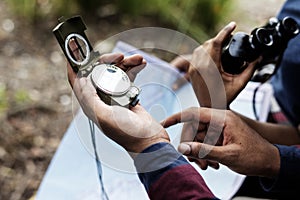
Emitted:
pixel 240 147
pixel 217 89
pixel 134 128
pixel 218 136
pixel 204 70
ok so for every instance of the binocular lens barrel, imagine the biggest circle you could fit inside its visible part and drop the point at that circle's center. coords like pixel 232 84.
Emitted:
pixel 289 27
pixel 269 41
pixel 264 37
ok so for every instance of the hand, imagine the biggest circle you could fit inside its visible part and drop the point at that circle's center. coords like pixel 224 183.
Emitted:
pixel 133 129
pixel 213 87
pixel 243 150
pixel 131 65
pixel 182 63
pixel 194 131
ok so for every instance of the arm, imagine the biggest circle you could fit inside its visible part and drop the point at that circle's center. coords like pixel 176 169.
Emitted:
pixel 235 145
pixel 167 175
pixel 212 86
pixel 274 133
pixel 215 88
pixel 147 142
pixel 289 173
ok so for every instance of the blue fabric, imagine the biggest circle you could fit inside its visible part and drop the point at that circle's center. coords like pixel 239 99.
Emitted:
pixel 286 81
pixel 167 175
pixel 289 173
pixel 155 160
pixel 286 84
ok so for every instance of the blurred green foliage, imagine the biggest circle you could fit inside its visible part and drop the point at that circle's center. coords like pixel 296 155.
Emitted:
pixel 21 97
pixel 199 18
pixel 33 10
pixel 3 99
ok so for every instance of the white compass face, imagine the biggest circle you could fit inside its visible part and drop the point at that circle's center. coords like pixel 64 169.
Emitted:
pixel 110 79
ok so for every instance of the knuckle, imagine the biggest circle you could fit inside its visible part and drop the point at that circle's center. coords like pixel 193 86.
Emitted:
pixel 208 43
pixel 195 51
pixel 195 149
pixel 229 113
pixel 191 110
pixel 216 42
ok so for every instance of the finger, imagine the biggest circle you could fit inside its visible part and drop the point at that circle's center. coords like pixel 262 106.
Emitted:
pixel 134 70
pixel 184 116
pixel 201 163
pixel 224 34
pixel 191 114
pixel 200 150
pixel 191 159
pixel 89 101
pixel 181 82
pixel 200 136
pixel 193 131
pixel 213 164
pixel 132 65
pixel 131 61
pixel 85 91
pixel 182 63
pixel 246 75
pixel 111 58
pixel 188 133
pixel 138 109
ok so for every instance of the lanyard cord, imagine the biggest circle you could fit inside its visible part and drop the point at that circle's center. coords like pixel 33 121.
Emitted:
pixel 254 101
pixel 98 162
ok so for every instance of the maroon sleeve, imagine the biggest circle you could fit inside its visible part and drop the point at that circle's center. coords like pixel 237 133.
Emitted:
pixel 166 174
pixel 182 182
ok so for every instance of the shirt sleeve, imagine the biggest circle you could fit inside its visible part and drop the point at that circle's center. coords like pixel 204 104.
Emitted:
pixel 289 171
pixel 166 174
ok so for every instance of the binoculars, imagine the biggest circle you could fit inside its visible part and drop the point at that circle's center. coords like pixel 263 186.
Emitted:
pixel 269 41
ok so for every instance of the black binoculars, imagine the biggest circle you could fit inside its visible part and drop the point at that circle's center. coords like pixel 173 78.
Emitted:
pixel 268 41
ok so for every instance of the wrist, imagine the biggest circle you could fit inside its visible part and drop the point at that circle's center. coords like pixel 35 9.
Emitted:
pixel 272 166
pixel 143 145
pixel 155 157
pixel 146 144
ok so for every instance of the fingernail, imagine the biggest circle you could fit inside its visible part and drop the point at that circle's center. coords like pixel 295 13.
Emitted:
pixel 175 87
pixel 184 148
pixel 162 122
pixel 231 25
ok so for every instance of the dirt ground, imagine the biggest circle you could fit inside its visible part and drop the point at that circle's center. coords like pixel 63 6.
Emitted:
pixel 36 100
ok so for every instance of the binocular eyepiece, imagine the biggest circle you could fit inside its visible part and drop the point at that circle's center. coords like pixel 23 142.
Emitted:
pixel 268 41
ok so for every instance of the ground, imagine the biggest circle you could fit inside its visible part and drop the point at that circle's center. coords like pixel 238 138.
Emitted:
pixel 36 104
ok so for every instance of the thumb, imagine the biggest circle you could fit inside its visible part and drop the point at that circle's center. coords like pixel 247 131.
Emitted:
pixel 180 82
pixel 225 33
pixel 246 75
pixel 199 150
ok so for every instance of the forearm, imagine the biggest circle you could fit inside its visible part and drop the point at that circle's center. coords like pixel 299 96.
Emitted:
pixel 274 133
pixel 167 175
